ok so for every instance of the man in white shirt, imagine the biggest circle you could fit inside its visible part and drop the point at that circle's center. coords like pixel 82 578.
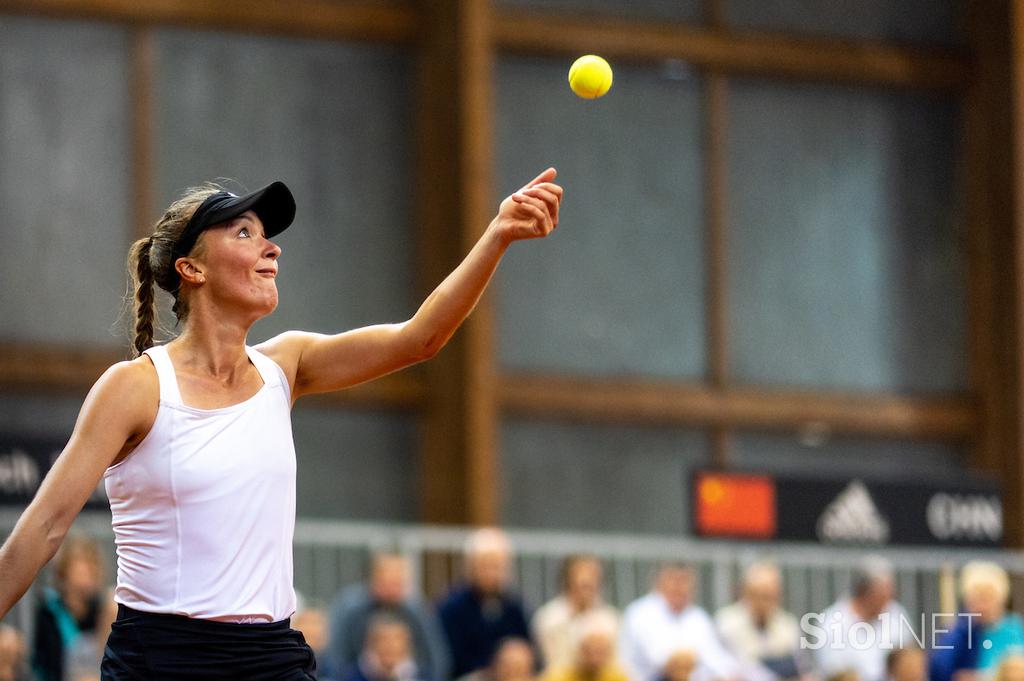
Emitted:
pixel 756 629
pixel 664 622
pixel 857 632
pixel 559 623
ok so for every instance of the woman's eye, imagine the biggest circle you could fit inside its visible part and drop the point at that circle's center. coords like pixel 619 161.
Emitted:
pixel 244 231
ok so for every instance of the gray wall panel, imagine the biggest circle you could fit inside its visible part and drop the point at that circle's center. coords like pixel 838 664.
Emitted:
pixel 591 477
pixel 909 21
pixel 619 287
pixel 846 457
pixel 331 120
pixel 64 180
pixel 847 239
pixel 356 465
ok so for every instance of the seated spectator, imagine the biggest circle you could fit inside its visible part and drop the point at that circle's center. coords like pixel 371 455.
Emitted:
pixel 870 603
pixel 13 654
pixel 1011 668
pixel 756 628
pixel 907 664
pixel 680 666
pixel 513 661
pixel 557 624
pixel 985 589
pixel 387 654
pixel 389 591
pixel 69 624
pixel 477 616
pixel 592 652
pixel 665 621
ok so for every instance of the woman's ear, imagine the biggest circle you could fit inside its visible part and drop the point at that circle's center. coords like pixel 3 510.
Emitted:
pixel 190 271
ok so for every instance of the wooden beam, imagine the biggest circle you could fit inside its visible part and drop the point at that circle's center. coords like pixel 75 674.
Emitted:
pixel 459 459
pixel 694 405
pixel 732 52
pixel 303 18
pixel 55 369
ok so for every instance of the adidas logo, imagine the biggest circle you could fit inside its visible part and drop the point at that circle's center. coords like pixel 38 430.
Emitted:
pixel 853 517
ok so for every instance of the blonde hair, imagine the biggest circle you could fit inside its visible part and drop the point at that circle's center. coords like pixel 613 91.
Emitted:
pixel 978 574
pixel 151 261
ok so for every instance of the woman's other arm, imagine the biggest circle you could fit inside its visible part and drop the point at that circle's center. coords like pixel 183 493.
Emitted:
pixel 117 413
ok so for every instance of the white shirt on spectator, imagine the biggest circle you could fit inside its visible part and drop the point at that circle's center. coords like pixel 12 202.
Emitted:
pixel 558 626
pixel 652 632
pixel 778 638
pixel 845 651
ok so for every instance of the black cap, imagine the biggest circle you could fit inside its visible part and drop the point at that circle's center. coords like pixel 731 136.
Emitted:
pixel 274 204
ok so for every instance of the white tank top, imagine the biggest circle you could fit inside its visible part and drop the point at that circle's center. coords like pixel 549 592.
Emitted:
pixel 204 507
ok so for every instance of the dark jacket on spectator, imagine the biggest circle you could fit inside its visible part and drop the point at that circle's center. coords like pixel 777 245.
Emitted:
pixel 474 628
pixel 350 615
pixel 55 630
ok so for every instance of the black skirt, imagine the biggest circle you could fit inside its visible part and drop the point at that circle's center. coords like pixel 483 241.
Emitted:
pixel 154 647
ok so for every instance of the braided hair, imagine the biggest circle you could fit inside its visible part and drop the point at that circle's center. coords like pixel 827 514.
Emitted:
pixel 151 263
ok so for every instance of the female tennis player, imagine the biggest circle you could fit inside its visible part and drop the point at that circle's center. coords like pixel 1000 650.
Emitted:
pixel 193 438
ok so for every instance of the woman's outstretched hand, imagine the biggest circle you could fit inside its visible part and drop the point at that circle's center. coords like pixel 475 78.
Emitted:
pixel 532 212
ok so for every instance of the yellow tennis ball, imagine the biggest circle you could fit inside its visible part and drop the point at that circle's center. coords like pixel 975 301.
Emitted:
pixel 590 76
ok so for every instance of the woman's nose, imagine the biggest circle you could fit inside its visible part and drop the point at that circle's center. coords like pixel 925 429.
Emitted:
pixel 273 250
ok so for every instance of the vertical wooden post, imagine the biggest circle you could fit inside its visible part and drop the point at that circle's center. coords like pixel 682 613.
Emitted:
pixel 459 443
pixel 716 260
pixel 994 135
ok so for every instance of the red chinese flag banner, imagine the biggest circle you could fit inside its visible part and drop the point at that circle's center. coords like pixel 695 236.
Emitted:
pixel 735 505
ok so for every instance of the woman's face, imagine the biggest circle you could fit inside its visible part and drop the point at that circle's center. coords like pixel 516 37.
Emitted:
pixel 239 265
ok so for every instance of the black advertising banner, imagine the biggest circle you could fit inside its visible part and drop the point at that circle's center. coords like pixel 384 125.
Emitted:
pixel 24 462
pixel 847 512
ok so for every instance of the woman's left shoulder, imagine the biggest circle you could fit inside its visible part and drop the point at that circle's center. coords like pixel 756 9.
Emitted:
pixel 285 349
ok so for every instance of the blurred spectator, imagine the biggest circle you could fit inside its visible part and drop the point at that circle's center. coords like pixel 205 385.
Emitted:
pixel 844 675
pixel 388 653
pixel 680 666
pixel 592 652
pixel 557 624
pixel 878 623
pixel 756 628
pixel 1011 668
pixel 476 617
pixel 72 620
pixel 664 622
pixel 984 632
pixel 907 664
pixel 513 661
pixel 13 654
pixel 312 622
pixel 389 591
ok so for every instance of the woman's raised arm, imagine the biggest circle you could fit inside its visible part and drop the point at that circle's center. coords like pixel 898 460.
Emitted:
pixel 116 415
pixel 321 363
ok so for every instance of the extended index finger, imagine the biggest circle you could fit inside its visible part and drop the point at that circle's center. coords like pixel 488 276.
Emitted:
pixel 546 176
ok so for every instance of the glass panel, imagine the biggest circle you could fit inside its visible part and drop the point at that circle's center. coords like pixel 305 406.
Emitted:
pixel 847 239
pixel 907 21
pixel 677 10
pixel 355 465
pixel 619 287
pixel 609 478
pixel 64 181
pixel 331 120
pixel 845 457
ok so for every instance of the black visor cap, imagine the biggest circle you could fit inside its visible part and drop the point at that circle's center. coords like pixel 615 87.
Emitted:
pixel 274 204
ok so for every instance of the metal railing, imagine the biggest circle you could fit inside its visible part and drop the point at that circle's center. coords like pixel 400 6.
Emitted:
pixel 331 554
